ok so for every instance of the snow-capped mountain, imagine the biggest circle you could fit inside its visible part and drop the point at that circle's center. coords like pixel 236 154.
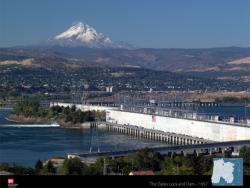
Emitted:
pixel 80 34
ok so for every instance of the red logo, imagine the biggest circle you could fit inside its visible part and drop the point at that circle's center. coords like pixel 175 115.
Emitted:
pixel 10 181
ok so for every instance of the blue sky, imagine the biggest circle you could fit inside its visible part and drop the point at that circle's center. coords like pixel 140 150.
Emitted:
pixel 145 23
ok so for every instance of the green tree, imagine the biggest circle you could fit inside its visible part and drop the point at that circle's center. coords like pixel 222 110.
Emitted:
pixel 73 166
pixel 29 108
pixel 119 165
pixel 17 169
pixel 245 154
pixel 201 164
pixel 48 169
pixel 97 168
pixel 168 167
pixel 66 110
pixel 38 166
pixel 73 108
pixel 20 170
pixel 147 159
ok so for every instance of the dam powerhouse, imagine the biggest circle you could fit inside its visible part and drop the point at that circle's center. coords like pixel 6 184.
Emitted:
pixel 164 123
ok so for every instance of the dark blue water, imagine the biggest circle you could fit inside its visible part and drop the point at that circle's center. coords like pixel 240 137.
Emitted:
pixel 239 111
pixel 26 145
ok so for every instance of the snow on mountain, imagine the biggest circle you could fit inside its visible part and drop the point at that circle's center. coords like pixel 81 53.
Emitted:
pixel 80 34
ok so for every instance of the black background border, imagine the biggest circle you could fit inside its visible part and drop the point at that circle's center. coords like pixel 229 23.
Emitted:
pixel 111 181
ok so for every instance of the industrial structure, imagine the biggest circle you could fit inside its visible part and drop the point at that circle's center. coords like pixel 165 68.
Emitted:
pixel 155 122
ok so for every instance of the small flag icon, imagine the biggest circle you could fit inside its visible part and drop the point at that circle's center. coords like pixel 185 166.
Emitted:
pixel 10 181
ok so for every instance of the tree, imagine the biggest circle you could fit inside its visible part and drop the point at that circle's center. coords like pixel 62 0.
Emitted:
pixel 17 170
pixel 73 108
pixel 29 108
pixel 147 159
pixel 73 166
pixel 168 167
pixel 68 118
pixel 48 169
pixel 56 110
pixel 96 168
pixel 178 165
pixel 38 166
pixel 66 110
pixel 201 164
pixel 245 154
pixel 119 165
pixel 20 170
pixel 100 115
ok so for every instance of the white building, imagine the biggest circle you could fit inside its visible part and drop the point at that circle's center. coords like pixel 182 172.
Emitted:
pixel 109 89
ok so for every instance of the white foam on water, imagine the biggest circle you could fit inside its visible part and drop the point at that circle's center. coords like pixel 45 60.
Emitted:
pixel 30 125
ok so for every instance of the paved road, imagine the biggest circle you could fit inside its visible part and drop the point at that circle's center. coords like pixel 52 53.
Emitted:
pixel 171 148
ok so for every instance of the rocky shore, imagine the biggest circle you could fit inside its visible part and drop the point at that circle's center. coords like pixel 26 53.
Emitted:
pixel 29 120
pixel 39 120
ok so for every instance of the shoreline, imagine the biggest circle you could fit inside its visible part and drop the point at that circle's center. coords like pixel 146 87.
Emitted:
pixel 28 120
pixel 37 120
pixel 12 120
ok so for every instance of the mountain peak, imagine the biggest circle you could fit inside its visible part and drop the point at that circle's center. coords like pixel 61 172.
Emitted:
pixel 79 24
pixel 81 34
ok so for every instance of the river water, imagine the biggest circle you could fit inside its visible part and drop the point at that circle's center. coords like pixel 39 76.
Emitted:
pixel 25 145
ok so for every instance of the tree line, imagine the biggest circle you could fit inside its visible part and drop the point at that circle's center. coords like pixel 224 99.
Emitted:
pixel 29 108
pixel 144 159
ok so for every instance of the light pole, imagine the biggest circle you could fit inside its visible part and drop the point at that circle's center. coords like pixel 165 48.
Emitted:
pixel 104 167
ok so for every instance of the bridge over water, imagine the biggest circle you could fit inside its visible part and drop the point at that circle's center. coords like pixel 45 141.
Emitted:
pixel 207 148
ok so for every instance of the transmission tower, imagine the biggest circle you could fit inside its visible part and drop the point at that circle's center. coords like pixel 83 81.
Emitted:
pixel 94 137
pixel 85 92
pixel 73 92
pixel 76 92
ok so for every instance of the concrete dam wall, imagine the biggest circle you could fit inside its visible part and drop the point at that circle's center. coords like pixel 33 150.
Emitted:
pixel 209 130
pixel 215 131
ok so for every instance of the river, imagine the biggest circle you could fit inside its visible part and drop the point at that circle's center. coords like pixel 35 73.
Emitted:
pixel 25 145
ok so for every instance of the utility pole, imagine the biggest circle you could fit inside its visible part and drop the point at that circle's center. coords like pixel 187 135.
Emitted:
pixel 177 169
pixel 91 140
pixel 245 108
pixel 104 167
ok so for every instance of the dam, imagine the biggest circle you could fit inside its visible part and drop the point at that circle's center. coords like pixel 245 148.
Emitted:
pixel 189 124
